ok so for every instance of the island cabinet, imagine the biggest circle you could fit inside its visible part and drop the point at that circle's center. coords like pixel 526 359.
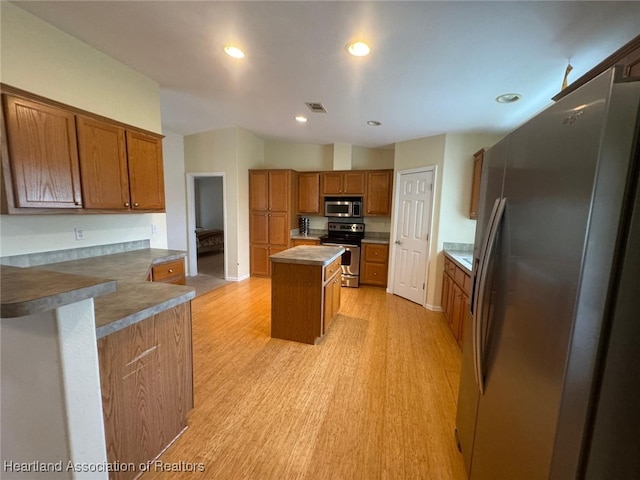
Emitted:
pixel 309 194
pixel 456 291
pixel 147 386
pixel 59 159
pixel 343 183
pixel 305 292
pixel 375 264
pixel 272 202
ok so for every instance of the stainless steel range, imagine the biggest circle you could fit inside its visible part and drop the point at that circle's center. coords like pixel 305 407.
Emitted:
pixel 349 236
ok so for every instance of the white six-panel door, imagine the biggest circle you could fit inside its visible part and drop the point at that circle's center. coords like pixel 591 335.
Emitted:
pixel 413 223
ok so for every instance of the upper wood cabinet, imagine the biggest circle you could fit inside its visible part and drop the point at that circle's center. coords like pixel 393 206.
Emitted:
pixel 272 201
pixel 41 170
pixel 378 197
pixel 59 157
pixel 146 173
pixel 103 164
pixel 270 190
pixel 475 186
pixel 343 183
pixel 309 193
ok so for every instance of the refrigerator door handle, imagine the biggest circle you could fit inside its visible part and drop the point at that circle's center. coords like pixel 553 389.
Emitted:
pixel 476 301
pixel 479 322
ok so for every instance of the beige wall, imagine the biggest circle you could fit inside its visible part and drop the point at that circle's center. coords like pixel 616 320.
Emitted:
pixel 298 156
pixel 371 158
pixel 452 155
pixel 44 60
pixel 232 151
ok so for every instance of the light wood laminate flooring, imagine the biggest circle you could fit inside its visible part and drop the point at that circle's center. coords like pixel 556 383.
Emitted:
pixel 375 399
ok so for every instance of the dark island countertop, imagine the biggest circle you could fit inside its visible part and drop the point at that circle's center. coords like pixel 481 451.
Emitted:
pixel 135 298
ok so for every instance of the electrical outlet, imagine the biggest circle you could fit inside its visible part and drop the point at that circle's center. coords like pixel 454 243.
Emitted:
pixel 79 233
pixel 154 229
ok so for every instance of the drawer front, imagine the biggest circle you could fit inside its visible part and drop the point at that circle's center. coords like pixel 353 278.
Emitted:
pixel 459 275
pixel 376 253
pixel 374 274
pixel 302 241
pixel 332 268
pixel 467 284
pixel 168 270
pixel 449 267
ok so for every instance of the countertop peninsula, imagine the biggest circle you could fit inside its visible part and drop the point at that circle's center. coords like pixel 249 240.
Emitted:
pixel 118 282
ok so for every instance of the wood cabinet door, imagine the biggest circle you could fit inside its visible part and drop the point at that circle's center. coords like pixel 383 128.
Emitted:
pixel 279 233
pixel 103 164
pixel 147 390
pixel 279 191
pixel 378 201
pixel 146 172
pixel 337 294
pixel 309 193
pixel 457 309
pixel 331 183
pixel 475 186
pixel 375 252
pixel 446 295
pixel 259 228
pixel 43 154
pixel 259 190
pixel 327 308
pixel 353 183
pixel 259 258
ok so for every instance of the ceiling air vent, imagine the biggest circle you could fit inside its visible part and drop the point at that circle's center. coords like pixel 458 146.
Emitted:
pixel 316 107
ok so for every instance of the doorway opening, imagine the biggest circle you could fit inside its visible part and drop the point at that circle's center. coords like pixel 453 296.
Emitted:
pixel 206 223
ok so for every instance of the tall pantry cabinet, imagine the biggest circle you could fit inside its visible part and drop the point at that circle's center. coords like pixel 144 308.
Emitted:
pixel 272 215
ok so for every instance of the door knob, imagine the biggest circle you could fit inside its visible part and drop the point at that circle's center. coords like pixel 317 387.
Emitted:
pixel 398 242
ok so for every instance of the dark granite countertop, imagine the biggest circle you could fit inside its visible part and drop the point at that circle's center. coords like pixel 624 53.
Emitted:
pixel 135 298
pixel 308 255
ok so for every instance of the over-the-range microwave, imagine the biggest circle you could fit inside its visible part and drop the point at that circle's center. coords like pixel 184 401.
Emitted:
pixel 346 207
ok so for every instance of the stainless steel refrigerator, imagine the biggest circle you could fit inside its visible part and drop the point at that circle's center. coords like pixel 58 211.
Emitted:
pixel 550 381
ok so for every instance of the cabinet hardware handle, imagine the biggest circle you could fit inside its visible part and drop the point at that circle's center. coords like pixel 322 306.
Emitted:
pixel 126 204
pixel 135 204
pixel 171 270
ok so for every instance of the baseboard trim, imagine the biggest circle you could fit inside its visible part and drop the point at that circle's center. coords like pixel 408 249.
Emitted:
pixel 434 308
pixel 237 279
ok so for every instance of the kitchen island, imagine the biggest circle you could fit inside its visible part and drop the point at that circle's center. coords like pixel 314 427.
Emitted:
pixel 305 292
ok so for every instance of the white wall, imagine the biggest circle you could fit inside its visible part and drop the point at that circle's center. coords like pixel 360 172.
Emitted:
pixel 371 158
pixel 41 59
pixel 175 190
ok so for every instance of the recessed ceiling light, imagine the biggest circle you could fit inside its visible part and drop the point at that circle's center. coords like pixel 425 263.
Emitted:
pixel 374 123
pixel 301 119
pixel 358 49
pixel 508 98
pixel 233 51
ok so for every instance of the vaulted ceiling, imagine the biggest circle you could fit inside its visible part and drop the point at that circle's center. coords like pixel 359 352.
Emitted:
pixel 435 67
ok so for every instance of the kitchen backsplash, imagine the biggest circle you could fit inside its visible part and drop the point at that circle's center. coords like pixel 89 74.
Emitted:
pixel 372 224
pixel 56 256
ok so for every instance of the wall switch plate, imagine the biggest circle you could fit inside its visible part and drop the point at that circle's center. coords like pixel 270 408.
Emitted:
pixel 79 233
pixel 154 229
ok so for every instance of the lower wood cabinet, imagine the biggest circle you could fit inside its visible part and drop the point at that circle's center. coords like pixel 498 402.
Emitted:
pixel 146 376
pixel 304 241
pixel 169 272
pixel 456 286
pixel 374 264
